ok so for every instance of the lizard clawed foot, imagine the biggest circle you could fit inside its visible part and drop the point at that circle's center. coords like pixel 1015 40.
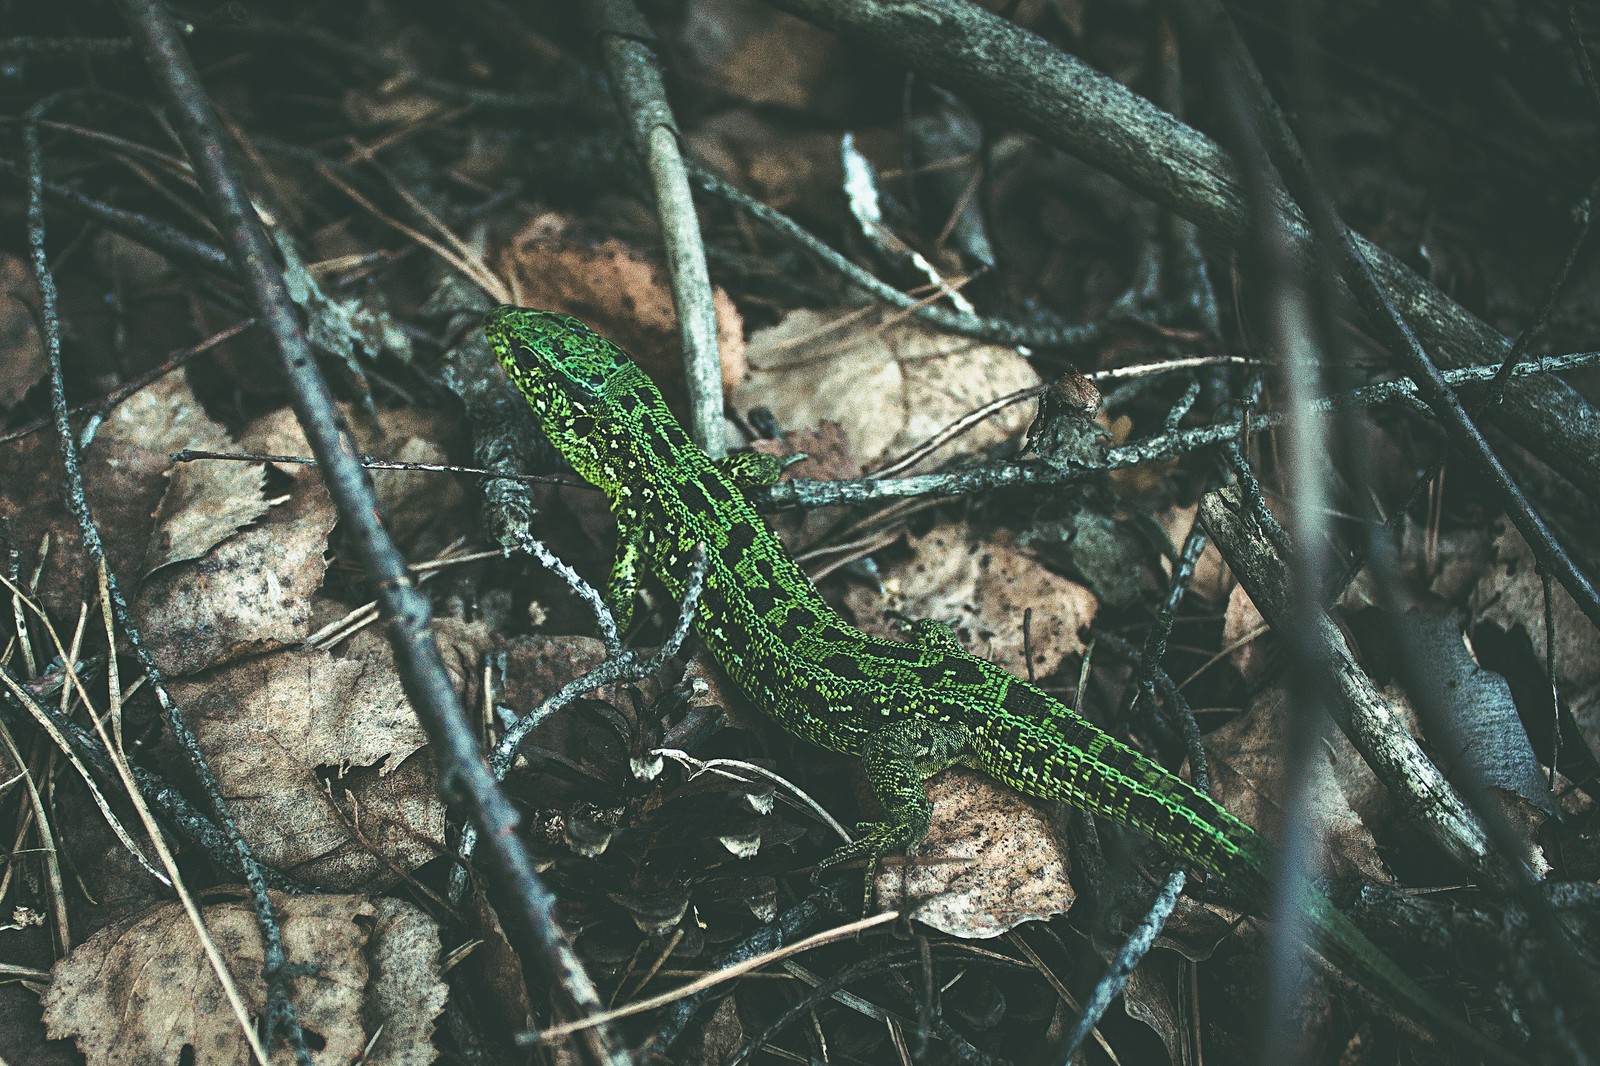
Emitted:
pixel 873 840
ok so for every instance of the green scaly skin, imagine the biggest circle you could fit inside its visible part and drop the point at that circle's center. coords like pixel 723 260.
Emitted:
pixel 908 710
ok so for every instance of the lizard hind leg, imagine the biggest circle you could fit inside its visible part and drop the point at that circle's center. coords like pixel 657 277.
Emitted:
pixel 935 635
pixel 754 470
pixel 897 759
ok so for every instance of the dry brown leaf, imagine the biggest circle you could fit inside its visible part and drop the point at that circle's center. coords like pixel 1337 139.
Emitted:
pixel 1511 596
pixel 142 990
pixel 891 387
pixel 762 56
pixel 305 742
pixel 620 292
pixel 1244 631
pixel 1155 996
pixel 127 464
pixel 1246 775
pixel 989 862
pixel 251 593
pixel 22 355
pixel 215 589
pixel 205 503
pixel 982 588
pixel 253 590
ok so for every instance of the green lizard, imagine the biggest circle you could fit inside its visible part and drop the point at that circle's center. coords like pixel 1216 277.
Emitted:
pixel 908 710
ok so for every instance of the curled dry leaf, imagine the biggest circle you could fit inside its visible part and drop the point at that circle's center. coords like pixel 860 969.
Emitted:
pixel 253 591
pixel 989 862
pixel 322 759
pixel 891 386
pixel 982 587
pixel 620 292
pixel 1246 775
pixel 142 990
pixel 1511 596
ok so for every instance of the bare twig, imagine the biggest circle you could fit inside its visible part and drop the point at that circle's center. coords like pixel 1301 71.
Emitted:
pixel 1072 107
pixel 465 780
pixel 627 47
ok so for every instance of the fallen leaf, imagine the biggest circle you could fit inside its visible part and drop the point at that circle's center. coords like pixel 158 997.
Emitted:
pixel 762 56
pixel 205 503
pixel 982 588
pixel 142 990
pixel 989 862
pixel 891 386
pixel 251 593
pixel 304 743
pixel 620 292
pixel 1247 766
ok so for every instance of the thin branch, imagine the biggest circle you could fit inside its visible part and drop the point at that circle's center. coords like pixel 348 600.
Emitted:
pixel 464 777
pixel 627 48
pixel 1017 74
pixel 965 481
pixel 281 1012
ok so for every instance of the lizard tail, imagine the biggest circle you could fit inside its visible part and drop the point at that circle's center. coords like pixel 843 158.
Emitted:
pixel 1075 761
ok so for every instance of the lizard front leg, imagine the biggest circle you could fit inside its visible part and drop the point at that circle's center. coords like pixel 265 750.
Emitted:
pixel 627 569
pixel 898 758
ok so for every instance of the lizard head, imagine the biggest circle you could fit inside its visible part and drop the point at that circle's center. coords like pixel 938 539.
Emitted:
pixel 547 352
pixel 576 381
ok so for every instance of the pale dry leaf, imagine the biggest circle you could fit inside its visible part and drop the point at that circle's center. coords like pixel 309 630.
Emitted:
pixel 1510 595
pixel 620 292
pixel 407 991
pixel 205 503
pixel 1247 765
pixel 141 990
pixel 989 862
pixel 982 588
pixel 890 386
pixel 304 742
pixel 22 355
pixel 252 592
pixel 126 466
